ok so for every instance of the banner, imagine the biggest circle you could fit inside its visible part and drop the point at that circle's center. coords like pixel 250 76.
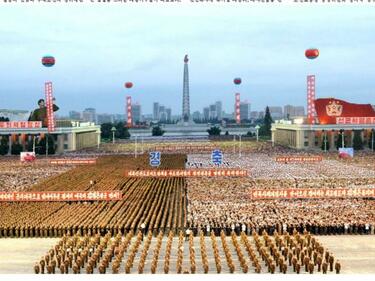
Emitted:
pixel 298 159
pixel 183 148
pixel 191 173
pixel 76 161
pixel 20 125
pixel 346 152
pixel 60 196
pixel 306 193
pixel 355 120
pixel 27 156
pixel 335 111
pixel 49 106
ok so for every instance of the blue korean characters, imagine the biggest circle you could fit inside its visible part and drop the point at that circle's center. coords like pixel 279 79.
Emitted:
pixel 217 157
pixel 155 158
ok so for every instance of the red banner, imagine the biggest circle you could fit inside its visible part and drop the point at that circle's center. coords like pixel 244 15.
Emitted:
pixel 238 104
pixel 298 159
pixel 311 99
pixel 183 148
pixel 306 193
pixel 129 111
pixel 330 111
pixel 49 106
pixel 21 125
pixel 190 173
pixel 60 196
pixel 73 161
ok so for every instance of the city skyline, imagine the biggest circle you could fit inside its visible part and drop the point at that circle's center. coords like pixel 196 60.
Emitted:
pixel 265 47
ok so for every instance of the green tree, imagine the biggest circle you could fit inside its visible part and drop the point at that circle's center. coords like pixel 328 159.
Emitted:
pixel 4 147
pixel 4 119
pixel 214 131
pixel 157 131
pixel 226 133
pixel 339 140
pixel 122 132
pixel 250 134
pixel 16 149
pixel 265 128
pixel 41 148
pixel 106 130
pixel 357 140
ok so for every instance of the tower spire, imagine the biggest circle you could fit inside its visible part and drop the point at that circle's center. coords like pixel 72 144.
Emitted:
pixel 185 93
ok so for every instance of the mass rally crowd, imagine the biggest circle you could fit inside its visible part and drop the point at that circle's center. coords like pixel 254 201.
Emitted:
pixel 17 176
pixel 226 203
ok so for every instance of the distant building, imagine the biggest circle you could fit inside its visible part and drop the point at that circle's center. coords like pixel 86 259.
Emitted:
pixel 169 114
pixel 15 115
pixel 197 115
pixel 161 113
pixel 276 112
pixel 254 115
pixel 293 111
pixel 212 114
pixel 136 113
pixel 89 115
pixel 245 110
pixel 219 110
pixel 118 117
pixel 156 111
pixel 206 113
pixel 104 118
pixel 75 115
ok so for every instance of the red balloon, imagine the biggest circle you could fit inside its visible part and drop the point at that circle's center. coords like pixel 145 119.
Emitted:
pixel 312 53
pixel 237 81
pixel 128 85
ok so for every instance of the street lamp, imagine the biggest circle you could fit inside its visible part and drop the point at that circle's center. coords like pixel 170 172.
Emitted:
pixel 113 130
pixel 135 147
pixel 257 127
pixel 239 153
pixel 372 139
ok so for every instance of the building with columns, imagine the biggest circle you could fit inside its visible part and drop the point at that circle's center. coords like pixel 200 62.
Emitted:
pixel 333 118
pixel 69 135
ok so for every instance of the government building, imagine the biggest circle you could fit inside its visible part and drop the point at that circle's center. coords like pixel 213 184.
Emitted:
pixel 333 117
pixel 69 135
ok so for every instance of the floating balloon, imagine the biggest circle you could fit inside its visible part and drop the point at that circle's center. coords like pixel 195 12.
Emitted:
pixel 237 81
pixel 312 53
pixel 48 61
pixel 128 85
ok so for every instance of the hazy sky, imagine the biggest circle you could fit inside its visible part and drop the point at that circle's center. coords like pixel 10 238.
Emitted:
pixel 98 48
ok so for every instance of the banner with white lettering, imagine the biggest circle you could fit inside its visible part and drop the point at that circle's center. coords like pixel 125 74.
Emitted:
pixel 61 196
pixel 306 193
pixel 191 173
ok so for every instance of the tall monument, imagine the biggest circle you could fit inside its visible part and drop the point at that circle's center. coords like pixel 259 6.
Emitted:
pixel 185 93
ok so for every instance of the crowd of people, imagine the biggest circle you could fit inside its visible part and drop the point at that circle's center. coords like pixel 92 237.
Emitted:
pixel 265 172
pixel 228 206
pixel 144 202
pixel 145 253
pixel 17 176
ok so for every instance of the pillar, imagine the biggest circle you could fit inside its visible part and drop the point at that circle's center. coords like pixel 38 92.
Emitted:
pixel 311 139
pixel 60 144
pixel 351 137
pixel 332 145
pixel 72 142
pixel 10 145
